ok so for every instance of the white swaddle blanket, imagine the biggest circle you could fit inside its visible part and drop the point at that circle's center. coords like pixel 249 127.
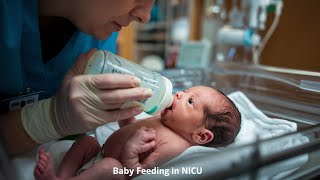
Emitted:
pixel 255 124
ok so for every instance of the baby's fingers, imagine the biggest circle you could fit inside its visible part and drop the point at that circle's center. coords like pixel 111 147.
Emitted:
pixel 147 146
pixel 146 134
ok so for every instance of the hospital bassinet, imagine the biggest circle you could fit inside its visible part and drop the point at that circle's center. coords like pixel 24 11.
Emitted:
pixel 282 93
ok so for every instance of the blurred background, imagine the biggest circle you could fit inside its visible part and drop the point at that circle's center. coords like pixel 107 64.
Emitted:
pixel 196 33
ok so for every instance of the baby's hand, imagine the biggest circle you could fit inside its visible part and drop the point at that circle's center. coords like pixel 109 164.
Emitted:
pixel 142 141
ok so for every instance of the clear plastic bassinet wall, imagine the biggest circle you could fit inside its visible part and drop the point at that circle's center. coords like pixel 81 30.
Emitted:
pixel 280 93
pixel 283 93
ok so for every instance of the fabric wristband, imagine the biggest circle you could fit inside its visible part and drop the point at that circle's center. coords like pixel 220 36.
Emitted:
pixel 37 122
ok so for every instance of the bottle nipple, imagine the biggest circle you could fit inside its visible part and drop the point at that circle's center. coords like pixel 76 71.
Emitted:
pixel 170 101
pixel 167 98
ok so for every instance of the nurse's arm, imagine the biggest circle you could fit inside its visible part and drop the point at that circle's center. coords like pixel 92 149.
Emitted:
pixel 13 134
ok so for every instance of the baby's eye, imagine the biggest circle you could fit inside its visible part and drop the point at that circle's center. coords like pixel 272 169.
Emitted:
pixel 190 101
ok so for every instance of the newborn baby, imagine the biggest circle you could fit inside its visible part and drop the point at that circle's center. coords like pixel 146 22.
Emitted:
pixel 198 116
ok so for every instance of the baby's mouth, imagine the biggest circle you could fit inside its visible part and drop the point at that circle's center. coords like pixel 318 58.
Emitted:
pixel 166 110
pixel 171 107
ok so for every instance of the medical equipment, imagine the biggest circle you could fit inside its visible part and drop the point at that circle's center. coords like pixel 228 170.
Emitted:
pixel 107 62
pixel 243 28
pixel 194 54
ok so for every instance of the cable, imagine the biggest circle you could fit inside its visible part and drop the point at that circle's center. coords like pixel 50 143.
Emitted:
pixel 257 51
pixel 265 40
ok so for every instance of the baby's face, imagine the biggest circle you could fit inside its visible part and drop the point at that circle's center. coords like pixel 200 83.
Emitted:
pixel 187 111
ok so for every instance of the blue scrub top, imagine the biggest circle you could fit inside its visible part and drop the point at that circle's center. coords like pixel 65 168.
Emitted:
pixel 20 50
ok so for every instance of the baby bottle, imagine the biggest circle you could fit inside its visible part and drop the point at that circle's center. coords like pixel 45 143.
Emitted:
pixel 107 62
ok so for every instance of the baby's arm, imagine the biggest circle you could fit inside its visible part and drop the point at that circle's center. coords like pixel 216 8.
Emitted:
pixel 162 154
pixel 142 141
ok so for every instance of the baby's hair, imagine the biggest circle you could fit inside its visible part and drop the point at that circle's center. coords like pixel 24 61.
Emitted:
pixel 225 125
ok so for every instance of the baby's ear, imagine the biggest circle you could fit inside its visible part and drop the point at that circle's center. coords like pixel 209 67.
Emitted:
pixel 202 136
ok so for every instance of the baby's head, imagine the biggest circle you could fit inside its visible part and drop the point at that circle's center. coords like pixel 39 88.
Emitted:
pixel 204 116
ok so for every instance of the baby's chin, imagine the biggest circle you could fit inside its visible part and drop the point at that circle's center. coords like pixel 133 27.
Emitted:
pixel 164 117
pixel 165 121
pixel 165 114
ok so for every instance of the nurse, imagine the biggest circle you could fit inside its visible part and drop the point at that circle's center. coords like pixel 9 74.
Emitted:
pixel 44 49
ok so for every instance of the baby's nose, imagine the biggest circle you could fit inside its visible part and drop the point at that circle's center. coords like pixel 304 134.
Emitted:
pixel 179 94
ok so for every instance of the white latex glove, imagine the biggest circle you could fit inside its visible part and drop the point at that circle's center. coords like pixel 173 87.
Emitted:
pixel 83 103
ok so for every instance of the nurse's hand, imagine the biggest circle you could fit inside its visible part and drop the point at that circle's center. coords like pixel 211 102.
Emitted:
pixel 85 102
